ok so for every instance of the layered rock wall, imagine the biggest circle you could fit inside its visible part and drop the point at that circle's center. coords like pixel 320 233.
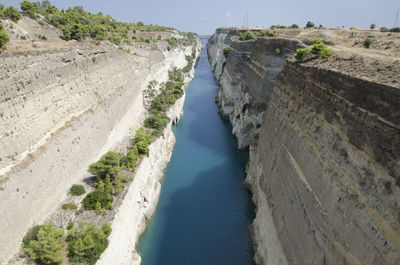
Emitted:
pixel 324 159
pixel 61 110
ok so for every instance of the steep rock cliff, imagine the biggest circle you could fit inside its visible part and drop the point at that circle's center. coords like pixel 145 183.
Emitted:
pixel 61 109
pixel 324 159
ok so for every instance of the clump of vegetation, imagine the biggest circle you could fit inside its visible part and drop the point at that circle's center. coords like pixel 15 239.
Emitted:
pixel 317 48
pixel 226 51
pixel 11 13
pixel 294 26
pixel 277 51
pixel 45 244
pixel 248 35
pixel 385 29
pixel 29 8
pixel 301 54
pixel 69 206
pixel 3 38
pixel 141 142
pixel 77 190
pixel 102 198
pixel 278 27
pixel 108 165
pixel 157 121
pixel 42 37
pixel 76 23
pixel 372 26
pixel 367 43
pixel 266 33
pixel 310 24
pixel 87 242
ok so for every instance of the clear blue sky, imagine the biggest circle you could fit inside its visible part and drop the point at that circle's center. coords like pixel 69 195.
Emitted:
pixel 203 16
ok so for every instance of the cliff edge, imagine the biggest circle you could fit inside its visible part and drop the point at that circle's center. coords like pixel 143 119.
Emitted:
pixel 323 136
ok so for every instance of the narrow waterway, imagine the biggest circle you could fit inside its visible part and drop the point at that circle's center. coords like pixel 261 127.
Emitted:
pixel 204 211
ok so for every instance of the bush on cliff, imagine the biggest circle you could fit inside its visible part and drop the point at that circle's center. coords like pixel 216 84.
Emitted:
pixel 29 8
pixel 87 242
pixel 3 38
pixel 248 35
pixel 317 48
pixel 310 24
pixel 45 244
pixel 97 196
pixel 156 121
pixel 11 13
pixel 266 33
pixel 367 43
pixel 77 190
pixel 107 165
pixel 129 160
pixel 226 51
pixel 142 141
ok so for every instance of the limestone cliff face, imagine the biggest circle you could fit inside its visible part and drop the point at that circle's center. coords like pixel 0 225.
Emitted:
pixel 60 110
pixel 324 156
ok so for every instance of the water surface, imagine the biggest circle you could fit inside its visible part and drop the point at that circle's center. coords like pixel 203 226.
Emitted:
pixel 204 212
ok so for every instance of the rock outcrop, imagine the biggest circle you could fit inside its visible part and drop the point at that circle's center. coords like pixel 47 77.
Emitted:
pixel 60 110
pixel 324 163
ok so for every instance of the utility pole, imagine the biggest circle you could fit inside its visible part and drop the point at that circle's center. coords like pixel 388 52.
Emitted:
pixel 396 20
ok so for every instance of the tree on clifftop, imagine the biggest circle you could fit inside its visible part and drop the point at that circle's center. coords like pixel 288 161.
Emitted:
pixel 310 24
pixel 29 9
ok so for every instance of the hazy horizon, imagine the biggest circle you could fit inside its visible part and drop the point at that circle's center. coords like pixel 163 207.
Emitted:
pixel 203 17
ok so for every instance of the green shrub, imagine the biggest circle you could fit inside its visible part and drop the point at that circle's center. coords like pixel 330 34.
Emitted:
pixel 3 38
pixel 226 51
pixel 317 47
pixel 77 190
pixel 266 33
pixel 248 35
pixel 107 165
pixel 277 51
pixel 99 32
pixel 116 39
pixel 29 8
pixel 31 235
pixel 300 54
pixel 142 141
pixel 294 26
pixel 129 161
pixel 75 31
pixel 397 29
pixel 310 24
pixel 11 13
pixel 46 244
pixel 156 121
pixel 87 242
pixel 372 26
pixel 384 29
pixel 367 43
pixel 104 198
pixel 326 53
pixel 69 206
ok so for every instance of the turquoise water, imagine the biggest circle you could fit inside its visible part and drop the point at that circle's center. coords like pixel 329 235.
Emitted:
pixel 204 212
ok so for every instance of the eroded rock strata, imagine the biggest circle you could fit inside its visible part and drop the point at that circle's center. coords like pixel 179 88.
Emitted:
pixel 324 164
